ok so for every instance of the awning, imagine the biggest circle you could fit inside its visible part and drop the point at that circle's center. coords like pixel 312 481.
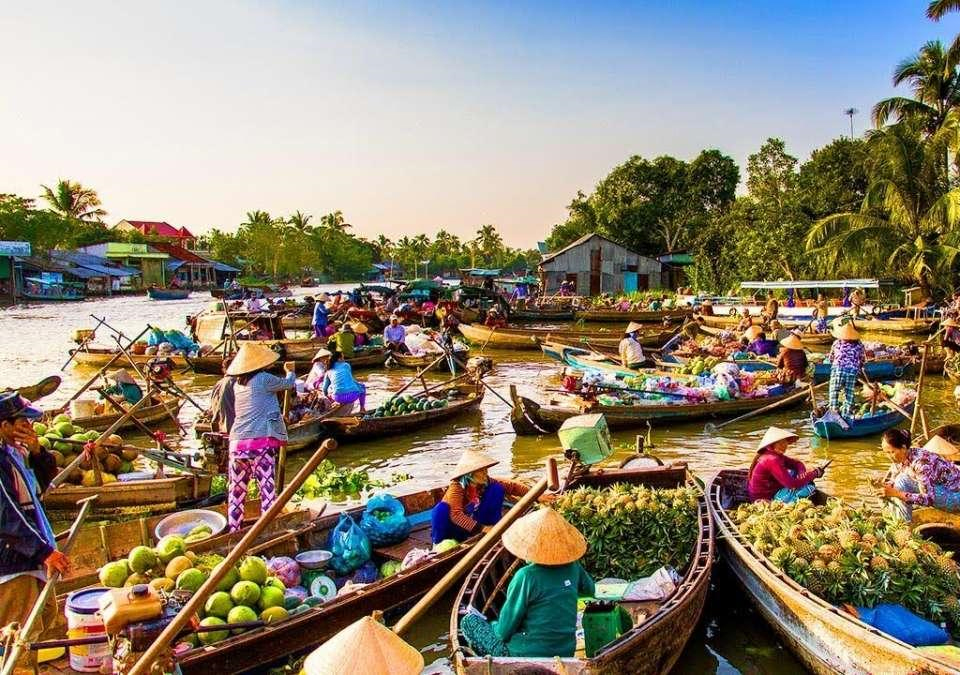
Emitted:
pixel 827 283
pixel 174 265
pixel 223 267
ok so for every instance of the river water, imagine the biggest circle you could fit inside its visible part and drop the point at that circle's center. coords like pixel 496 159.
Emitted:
pixel 732 638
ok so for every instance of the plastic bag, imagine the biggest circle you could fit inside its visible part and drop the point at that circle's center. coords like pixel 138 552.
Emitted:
pixel 384 520
pixel 180 341
pixel 349 545
pixel 658 586
pixel 899 622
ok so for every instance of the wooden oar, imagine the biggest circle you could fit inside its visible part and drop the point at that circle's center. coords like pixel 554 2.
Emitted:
pixel 484 345
pixel 98 374
pixel 711 428
pixel 83 343
pixel 419 374
pixel 920 380
pixel 10 657
pixel 159 646
pixel 478 549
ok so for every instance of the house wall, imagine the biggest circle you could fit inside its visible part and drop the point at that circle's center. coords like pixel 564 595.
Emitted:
pixel 615 261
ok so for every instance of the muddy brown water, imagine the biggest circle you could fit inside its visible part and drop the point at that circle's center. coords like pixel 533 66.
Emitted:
pixel 732 638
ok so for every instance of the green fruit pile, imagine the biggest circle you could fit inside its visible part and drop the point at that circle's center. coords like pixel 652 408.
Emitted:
pixel 405 405
pixel 698 365
pixel 633 530
pixel 857 556
pixel 114 460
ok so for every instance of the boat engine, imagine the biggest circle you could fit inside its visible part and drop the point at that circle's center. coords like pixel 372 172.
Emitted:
pixel 160 370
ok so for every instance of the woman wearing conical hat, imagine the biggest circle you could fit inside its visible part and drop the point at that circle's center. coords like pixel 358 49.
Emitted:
pixel 774 475
pixel 846 361
pixel 631 351
pixel 124 386
pixel 926 476
pixel 258 429
pixel 538 617
pixel 365 647
pixel 473 500
pixel 792 362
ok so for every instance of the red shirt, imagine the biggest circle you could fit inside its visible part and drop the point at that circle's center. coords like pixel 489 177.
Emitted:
pixel 772 472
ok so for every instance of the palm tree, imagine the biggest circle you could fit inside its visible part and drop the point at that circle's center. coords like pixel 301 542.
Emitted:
pixel 932 76
pixel 334 221
pixel 71 200
pixel 300 222
pixel 257 218
pixel 384 247
pixel 489 243
pixel 910 218
pixel 936 10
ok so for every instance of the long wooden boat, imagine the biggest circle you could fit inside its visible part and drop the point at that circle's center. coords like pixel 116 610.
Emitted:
pixel 364 357
pixel 652 647
pixel 901 326
pixel 586 359
pixel 153 495
pixel 297 321
pixel 265 290
pixel 424 360
pixel 542 314
pixel 462 398
pixel 805 338
pixel 824 637
pixel 302 435
pixel 646 316
pixel 98 357
pixel 531 418
pixel 156 293
pixel 860 427
pixel 532 338
pixel 159 411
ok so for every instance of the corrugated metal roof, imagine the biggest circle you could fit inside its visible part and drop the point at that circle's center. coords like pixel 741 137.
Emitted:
pixel 95 263
pixel 174 265
pixel 223 267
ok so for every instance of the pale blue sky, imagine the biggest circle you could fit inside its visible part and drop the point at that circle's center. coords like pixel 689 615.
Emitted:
pixel 410 117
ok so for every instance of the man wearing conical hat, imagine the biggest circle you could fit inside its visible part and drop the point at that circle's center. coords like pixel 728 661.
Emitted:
pixel 473 500
pixel 538 617
pixel 124 386
pixel 774 475
pixel 847 356
pixel 792 363
pixel 631 351
pixel 924 476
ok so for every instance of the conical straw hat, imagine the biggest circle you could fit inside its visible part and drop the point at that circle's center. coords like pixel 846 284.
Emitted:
pixel 322 354
pixel 251 358
pixel 471 461
pixel 753 332
pixel 775 434
pixel 544 537
pixel 359 327
pixel 365 646
pixel 792 342
pixel 632 327
pixel 122 376
pixel 846 332
pixel 942 447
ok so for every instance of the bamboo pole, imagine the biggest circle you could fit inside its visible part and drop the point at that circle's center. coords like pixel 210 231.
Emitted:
pixel 143 664
pixel 478 549
pixel 920 380
pixel 98 374
pixel 711 428
pixel 83 343
pixel 12 656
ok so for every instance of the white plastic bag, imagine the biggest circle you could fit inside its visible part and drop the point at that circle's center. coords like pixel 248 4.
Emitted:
pixel 658 586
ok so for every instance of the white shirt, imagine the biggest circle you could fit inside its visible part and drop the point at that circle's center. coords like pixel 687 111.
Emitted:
pixel 630 351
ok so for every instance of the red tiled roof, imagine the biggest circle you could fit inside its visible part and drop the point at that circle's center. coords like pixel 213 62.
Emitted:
pixel 180 253
pixel 184 232
pixel 160 228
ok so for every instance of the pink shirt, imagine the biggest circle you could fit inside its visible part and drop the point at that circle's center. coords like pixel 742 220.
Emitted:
pixel 774 471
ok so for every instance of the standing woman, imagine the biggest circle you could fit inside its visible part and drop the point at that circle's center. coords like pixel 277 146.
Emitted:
pixel 846 361
pixel 631 351
pixel 821 312
pixel 321 316
pixel 258 429
pixel 339 384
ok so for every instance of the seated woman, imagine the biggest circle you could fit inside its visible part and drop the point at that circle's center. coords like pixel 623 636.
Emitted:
pixel 343 341
pixel 773 475
pixel 921 476
pixel 538 617
pixel 338 383
pixel 761 346
pixel 321 363
pixel 124 386
pixel 473 499
pixel 494 319
pixel 792 363
pixel 630 349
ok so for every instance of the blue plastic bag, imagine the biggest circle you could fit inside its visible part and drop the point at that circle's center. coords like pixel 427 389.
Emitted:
pixel 384 520
pixel 156 338
pixel 901 623
pixel 349 545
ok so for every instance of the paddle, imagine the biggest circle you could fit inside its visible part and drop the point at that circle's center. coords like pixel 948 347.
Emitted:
pixel 419 374
pixel 10 657
pixel 487 341
pixel 478 549
pixel 712 428
pixel 83 343
pixel 883 397
pixel 44 387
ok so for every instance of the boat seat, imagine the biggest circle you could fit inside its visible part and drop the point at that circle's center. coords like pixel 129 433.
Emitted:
pixel 419 537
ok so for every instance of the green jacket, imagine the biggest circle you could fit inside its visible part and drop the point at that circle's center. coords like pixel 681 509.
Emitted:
pixel 131 393
pixel 343 343
pixel 539 615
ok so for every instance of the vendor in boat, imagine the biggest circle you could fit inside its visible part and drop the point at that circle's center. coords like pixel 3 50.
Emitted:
pixel 495 319
pixel 792 363
pixel 473 500
pixel 924 476
pixel 742 352
pixel 339 384
pixel 123 386
pixel 394 336
pixel 321 363
pixel 343 341
pixel 759 344
pixel 630 349
pixel 223 409
pixel 847 356
pixel 538 617
pixel 745 323
pixel 772 308
pixel 321 316
pixel 29 551
pixel 821 312
pixel 951 337
pixel 706 308
pixel 258 431
pixel 857 300
pixel 774 475
pixel 361 337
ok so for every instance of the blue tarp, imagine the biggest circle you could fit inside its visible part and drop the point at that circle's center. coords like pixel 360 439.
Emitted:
pixel 223 267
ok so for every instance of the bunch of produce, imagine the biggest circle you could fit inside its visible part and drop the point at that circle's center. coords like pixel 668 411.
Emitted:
pixel 698 365
pixel 898 393
pixel 675 389
pixel 113 457
pixel 854 555
pixel 406 404
pixel 633 530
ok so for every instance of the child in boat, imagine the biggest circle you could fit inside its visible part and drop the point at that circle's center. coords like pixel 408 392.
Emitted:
pixel 473 500
pixel 538 617
pixel 923 476
pixel 774 475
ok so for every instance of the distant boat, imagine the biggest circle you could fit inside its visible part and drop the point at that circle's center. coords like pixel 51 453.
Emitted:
pixel 44 290
pixel 157 293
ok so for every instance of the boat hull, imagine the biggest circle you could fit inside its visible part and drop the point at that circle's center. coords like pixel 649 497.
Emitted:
pixel 168 293
pixel 157 495
pixel 612 315
pixel 869 426
pixel 151 415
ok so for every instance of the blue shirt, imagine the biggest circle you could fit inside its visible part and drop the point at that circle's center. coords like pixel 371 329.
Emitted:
pixel 320 314
pixel 258 413
pixel 340 380
pixel 394 333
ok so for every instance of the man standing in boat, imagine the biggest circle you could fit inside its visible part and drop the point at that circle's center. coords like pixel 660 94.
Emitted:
pixel 29 551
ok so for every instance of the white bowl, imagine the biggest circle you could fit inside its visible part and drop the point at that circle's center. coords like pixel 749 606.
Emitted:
pixel 183 521
pixel 313 560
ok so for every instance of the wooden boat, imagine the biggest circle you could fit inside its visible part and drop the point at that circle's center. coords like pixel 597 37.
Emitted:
pixel 531 418
pixel 651 647
pixel 805 338
pixel 897 326
pixel 157 293
pixel 586 359
pixel 824 637
pixel 859 427
pixel 153 495
pixel 159 411
pixel 266 291
pixel 647 316
pixel 297 321
pixel 44 387
pixel 462 398
pixel 532 338
pixel 98 357
pixel 302 435
pixel 542 314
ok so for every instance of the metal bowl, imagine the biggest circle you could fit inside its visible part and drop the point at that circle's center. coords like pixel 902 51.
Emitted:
pixel 313 560
pixel 183 521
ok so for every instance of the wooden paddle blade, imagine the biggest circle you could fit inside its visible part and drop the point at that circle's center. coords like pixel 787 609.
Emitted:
pixel 44 387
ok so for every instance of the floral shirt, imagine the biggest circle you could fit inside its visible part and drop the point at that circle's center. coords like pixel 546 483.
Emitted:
pixel 847 354
pixel 931 471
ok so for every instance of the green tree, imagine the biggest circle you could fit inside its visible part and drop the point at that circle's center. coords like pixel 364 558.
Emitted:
pixel 489 244
pixel 932 76
pixel 835 178
pixel 335 222
pixel 71 200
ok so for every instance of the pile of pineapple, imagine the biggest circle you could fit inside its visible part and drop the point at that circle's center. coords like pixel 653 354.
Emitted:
pixel 855 555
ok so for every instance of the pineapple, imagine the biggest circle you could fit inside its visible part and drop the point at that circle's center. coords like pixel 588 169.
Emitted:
pixel 907 557
pixel 901 537
pixel 805 551
pixel 879 564
pixel 828 552
pixel 818 565
pixel 947 564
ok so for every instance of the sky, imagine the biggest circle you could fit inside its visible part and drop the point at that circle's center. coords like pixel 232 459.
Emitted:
pixel 412 117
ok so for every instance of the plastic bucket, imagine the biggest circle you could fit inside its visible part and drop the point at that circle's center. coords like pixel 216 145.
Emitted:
pixel 83 407
pixel 83 620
